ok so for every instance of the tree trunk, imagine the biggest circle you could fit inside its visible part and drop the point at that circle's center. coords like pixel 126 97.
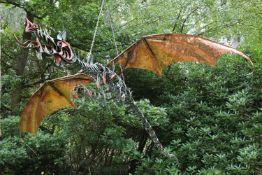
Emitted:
pixel 20 64
pixel 142 143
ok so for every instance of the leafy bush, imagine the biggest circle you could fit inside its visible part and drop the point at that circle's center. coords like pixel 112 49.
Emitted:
pixel 30 154
pixel 216 118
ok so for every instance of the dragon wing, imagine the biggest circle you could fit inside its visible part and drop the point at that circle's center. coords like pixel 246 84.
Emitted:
pixel 50 97
pixel 155 52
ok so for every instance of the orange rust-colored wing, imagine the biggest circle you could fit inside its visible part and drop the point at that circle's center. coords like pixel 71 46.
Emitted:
pixel 50 97
pixel 155 52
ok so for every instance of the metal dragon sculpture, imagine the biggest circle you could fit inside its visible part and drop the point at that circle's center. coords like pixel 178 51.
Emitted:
pixel 152 53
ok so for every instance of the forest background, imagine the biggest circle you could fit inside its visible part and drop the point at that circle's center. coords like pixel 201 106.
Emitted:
pixel 211 118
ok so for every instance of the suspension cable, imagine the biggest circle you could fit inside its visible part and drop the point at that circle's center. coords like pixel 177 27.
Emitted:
pixel 113 30
pixel 96 28
pixel 114 39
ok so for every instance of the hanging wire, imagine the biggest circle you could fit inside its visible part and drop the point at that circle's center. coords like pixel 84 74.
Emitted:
pixel 114 39
pixel 113 30
pixel 96 28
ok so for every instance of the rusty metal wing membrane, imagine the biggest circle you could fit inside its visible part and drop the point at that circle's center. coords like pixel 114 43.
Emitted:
pixel 155 52
pixel 50 97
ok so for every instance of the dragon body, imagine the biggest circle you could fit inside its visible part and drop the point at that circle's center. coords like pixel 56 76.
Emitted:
pixel 152 53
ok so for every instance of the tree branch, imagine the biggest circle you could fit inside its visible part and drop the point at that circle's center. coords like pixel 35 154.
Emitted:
pixel 15 4
pixel 219 27
pixel 177 18
pixel 187 17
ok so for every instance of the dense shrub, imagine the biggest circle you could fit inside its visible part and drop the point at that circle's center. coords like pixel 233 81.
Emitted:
pixel 215 117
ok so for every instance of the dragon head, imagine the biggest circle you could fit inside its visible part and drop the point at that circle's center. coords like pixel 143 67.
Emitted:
pixel 59 48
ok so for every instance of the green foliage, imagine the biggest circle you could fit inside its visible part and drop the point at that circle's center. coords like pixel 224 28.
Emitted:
pixel 10 126
pixel 30 154
pixel 90 138
pixel 157 166
pixel 210 118
pixel 98 134
pixel 214 115
pixel 210 115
